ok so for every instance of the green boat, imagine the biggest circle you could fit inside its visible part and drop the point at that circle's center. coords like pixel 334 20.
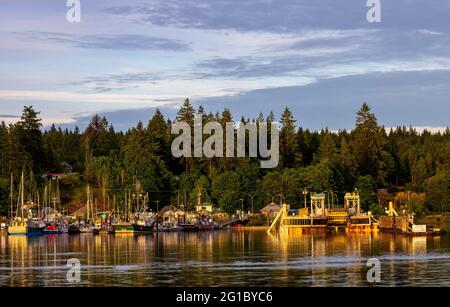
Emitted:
pixel 123 228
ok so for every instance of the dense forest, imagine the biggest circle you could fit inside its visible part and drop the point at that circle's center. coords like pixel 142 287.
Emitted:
pixel 139 161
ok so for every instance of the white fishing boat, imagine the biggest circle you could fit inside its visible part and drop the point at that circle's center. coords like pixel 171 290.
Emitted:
pixel 86 228
pixel 36 226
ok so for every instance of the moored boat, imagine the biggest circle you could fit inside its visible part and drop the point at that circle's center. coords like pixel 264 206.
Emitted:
pixel 143 227
pixel 123 228
pixel 73 229
pixel 86 228
pixel 18 226
pixel 52 230
pixel 189 227
pixel 36 227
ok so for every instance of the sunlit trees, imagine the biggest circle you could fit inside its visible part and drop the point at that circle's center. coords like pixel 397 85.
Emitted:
pixel 226 191
pixel 366 158
pixel 368 144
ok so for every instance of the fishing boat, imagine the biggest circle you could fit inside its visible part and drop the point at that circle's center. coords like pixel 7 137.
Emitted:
pixel 123 228
pixel 86 228
pixel 18 226
pixel 36 227
pixel 144 226
pixel 73 229
pixel 51 229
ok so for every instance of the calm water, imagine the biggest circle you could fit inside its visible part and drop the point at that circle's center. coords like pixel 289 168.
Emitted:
pixel 224 258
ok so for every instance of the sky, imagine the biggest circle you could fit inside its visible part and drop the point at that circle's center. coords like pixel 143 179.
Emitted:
pixel 322 59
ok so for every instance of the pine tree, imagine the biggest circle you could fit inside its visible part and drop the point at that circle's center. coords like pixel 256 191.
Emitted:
pixel 157 133
pixel 368 144
pixel 30 135
pixel 186 113
pixel 327 149
pixel 288 138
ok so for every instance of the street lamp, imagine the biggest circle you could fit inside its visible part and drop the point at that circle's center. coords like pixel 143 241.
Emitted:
pixel 305 192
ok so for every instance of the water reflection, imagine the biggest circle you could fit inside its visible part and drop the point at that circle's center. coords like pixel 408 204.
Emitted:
pixel 224 258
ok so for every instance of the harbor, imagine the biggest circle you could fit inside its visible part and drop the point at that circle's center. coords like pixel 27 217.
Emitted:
pixel 317 216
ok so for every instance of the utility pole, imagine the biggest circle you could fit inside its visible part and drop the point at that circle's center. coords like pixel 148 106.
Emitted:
pixel 252 197
pixel 409 200
pixel 305 192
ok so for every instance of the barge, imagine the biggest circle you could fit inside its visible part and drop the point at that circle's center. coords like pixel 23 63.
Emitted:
pixel 404 224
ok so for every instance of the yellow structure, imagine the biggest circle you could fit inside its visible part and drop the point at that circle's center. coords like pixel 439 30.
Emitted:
pixel 358 221
pixel 353 203
pixel 204 208
pixel 318 205
pixel 322 218
pixel 297 223
pixel 337 217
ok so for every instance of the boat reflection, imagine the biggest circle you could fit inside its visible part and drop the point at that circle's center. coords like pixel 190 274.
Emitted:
pixel 224 258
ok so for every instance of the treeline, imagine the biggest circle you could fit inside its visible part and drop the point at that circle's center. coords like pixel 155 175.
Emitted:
pixel 139 162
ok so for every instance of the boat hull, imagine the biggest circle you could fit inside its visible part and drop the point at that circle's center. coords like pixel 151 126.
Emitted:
pixel 123 228
pixel 73 230
pixel 17 230
pixel 52 230
pixel 142 228
pixel 189 227
pixel 36 231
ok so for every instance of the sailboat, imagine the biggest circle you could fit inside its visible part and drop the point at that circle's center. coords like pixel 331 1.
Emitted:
pixel 35 222
pixel 52 217
pixel 18 224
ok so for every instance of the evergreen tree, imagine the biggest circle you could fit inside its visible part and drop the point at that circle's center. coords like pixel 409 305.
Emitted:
pixel 368 144
pixel 158 134
pixel 30 136
pixel 186 113
pixel 288 150
pixel 327 149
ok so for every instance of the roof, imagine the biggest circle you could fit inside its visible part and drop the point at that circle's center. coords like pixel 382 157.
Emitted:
pixel 206 204
pixel 271 207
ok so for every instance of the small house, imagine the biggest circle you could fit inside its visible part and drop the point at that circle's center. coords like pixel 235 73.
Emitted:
pixel 205 208
pixel 271 210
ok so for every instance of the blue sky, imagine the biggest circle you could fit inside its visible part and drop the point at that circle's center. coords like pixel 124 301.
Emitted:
pixel 320 58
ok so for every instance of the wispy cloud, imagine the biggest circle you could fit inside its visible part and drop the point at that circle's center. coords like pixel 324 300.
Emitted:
pixel 45 121
pixel 64 96
pixel 105 41
pixel 281 15
pixel 254 55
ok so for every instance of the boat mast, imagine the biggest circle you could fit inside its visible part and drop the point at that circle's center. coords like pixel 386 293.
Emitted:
pixel 88 194
pixel 58 195
pixel 11 198
pixel 38 205
pixel 22 187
